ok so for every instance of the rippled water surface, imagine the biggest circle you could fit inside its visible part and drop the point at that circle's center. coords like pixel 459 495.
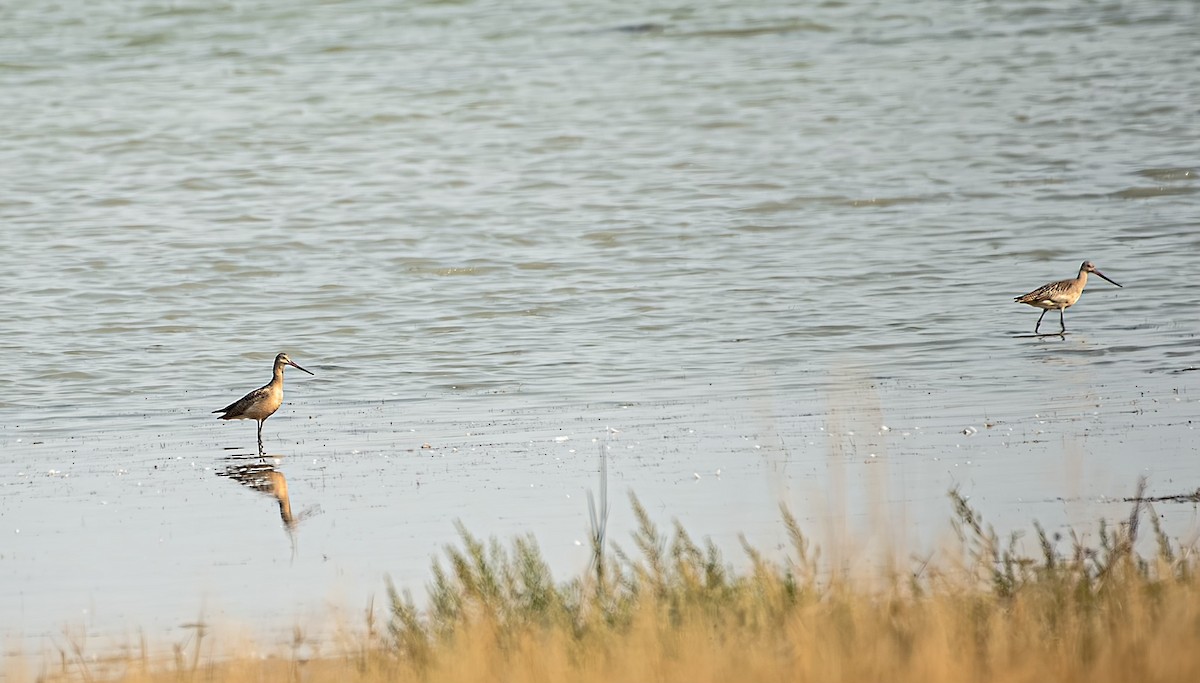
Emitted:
pixel 759 251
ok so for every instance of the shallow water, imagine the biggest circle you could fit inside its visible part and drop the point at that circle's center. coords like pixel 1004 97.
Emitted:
pixel 729 243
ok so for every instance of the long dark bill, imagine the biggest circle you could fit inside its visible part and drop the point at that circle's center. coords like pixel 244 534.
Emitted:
pixel 1094 271
pixel 310 372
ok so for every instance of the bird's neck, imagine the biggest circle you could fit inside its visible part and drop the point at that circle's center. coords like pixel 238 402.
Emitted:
pixel 1082 280
pixel 277 374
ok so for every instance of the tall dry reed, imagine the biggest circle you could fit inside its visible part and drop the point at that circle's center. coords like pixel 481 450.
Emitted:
pixel 672 609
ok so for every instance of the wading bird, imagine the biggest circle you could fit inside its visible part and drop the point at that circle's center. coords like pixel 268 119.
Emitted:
pixel 1061 295
pixel 262 402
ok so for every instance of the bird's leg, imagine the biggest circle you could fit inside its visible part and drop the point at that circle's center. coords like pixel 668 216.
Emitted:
pixel 1061 320
pixel 260 446
pixel 1039 322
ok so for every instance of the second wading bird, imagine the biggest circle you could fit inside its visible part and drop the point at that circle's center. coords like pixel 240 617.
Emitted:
pixel 1060 295
pixel 262 402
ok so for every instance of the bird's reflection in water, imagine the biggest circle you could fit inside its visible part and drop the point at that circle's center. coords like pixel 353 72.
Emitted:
pixel 263 476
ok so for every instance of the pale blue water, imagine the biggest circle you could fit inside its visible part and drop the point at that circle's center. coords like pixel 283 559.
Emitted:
pixel 712 238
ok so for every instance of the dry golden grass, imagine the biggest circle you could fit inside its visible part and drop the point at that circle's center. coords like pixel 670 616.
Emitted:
pixel 677 612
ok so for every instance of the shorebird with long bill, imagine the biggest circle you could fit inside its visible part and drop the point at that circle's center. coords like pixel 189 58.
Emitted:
pixel 1060 295
pixel 263 401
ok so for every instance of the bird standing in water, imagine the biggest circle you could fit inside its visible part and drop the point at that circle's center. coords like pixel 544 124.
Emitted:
pixel 1061 295
pixel 262 402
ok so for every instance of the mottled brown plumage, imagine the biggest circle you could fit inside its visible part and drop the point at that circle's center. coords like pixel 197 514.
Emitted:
pixel 1060 295
pixel 263 401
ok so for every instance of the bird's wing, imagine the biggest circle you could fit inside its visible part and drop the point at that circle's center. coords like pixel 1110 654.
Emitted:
pixel 240 404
